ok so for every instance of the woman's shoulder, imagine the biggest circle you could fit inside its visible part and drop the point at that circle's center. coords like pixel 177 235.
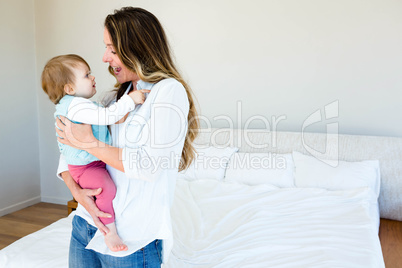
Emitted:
pixel 171 89
pixel 169 83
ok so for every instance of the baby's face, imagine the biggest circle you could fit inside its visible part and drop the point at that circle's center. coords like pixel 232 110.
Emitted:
pixel 84 85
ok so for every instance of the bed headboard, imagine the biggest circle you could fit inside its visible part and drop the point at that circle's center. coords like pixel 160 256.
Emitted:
pixel 388 150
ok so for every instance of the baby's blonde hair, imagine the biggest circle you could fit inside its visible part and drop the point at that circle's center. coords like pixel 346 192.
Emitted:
pixel 57 73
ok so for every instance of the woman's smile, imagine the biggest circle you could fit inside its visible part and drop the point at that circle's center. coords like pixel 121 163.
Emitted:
pixel 116 70
pixel 122 73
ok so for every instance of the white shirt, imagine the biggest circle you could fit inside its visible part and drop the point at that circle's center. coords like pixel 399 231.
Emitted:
pixel 152 138
pixel 85 111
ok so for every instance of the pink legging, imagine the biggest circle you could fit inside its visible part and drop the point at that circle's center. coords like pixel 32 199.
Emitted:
pixel 94 176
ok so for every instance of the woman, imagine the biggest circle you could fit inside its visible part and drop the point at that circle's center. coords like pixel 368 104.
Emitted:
pixel 150 145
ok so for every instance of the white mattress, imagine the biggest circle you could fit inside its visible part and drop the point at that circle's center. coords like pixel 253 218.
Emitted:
pixel 232 225
pixel 46 248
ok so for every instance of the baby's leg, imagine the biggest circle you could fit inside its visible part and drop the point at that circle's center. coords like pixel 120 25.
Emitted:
pixel 112 239
pixel 104 201
pixel 96 176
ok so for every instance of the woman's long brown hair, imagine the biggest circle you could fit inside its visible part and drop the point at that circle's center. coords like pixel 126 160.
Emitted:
pixel 141 44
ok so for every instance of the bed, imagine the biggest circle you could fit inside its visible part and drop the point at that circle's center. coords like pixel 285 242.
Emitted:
pixel 267 199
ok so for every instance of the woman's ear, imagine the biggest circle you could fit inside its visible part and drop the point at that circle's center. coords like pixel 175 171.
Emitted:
pixel 69 89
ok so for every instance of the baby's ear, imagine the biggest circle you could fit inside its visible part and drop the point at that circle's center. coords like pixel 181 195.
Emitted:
pixel 69 89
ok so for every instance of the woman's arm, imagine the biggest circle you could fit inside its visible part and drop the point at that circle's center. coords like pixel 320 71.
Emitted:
pixel 108 154
pixel 167 133
pixel 86 198
pixel 81 137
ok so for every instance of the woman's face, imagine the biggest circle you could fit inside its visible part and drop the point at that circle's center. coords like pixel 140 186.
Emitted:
pixel 120 71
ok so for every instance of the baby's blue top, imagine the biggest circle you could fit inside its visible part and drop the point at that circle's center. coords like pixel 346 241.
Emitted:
pixel 74 156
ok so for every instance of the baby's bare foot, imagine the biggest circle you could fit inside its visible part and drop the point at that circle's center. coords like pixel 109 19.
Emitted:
pixel 113 240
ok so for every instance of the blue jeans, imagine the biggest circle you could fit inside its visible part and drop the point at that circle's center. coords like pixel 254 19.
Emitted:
pixel 79 257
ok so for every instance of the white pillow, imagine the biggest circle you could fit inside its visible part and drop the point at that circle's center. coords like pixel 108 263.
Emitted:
pixel 312 173
pixel 261 168
pixel 210 163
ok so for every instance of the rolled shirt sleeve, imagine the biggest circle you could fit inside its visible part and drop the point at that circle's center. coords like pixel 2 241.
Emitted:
pixel 63 166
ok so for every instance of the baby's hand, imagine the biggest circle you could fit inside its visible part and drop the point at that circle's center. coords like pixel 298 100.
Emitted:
pixel 138 96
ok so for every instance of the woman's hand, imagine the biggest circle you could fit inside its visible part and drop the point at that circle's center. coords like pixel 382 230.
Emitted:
pixel 79 136
pixel 86 198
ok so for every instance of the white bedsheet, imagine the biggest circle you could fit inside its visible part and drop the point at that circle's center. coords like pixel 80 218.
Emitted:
pixel 232 225
pixel 46 248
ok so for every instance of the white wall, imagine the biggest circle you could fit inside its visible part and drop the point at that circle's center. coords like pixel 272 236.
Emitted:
pixel 291 58
pixel 279 58
pixel 64 27
pixel 19 162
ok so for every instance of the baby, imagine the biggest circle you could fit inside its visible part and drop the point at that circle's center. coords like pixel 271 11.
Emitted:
pixel 68 82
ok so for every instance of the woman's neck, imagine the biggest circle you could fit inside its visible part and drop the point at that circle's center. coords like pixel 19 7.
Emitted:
pixel 134 84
